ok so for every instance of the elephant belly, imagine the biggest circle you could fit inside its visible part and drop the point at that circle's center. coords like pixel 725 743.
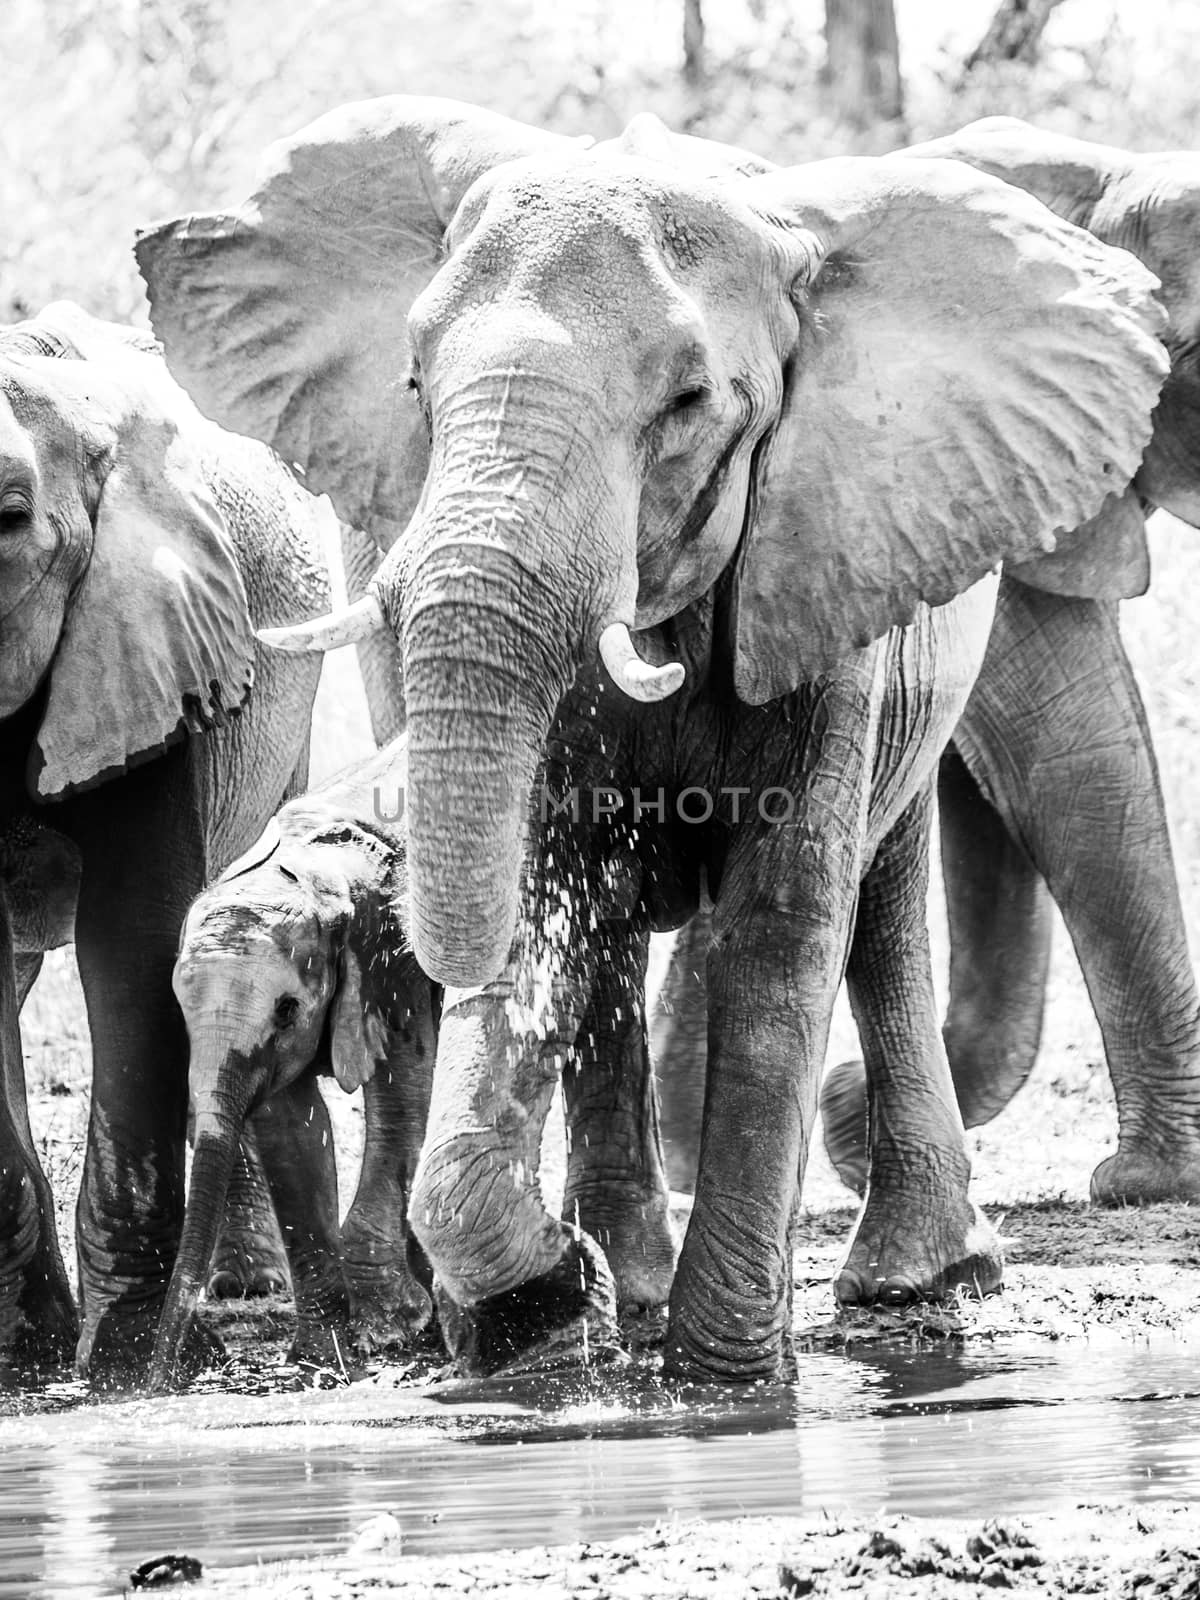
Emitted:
pixel 929 670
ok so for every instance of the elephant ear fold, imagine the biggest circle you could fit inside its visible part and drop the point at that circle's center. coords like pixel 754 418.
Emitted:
pixel 285 318
pixel 1107 558
pixel 158 640
pixel 970 377
pixel 358 1034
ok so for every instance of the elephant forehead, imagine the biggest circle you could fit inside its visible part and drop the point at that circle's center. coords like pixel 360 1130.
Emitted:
pixel 557 211
pixel 265 928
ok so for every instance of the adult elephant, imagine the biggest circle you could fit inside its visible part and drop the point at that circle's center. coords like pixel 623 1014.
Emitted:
pixel 140 545
pixel 1052 793
pixel 778 412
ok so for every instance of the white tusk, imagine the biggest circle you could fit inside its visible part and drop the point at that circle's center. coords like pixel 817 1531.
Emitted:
pixel 356 622
pixel 637 678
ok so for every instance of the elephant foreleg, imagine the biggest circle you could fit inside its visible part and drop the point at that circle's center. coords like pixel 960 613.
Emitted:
pixel 38 1324
pixel 616 1188
pixel 139 877
pixel 295 1139
pixel 919 1237
pixel 514 1284
pixel 781 932
pixel 386 1268
pixel 1056 736
pixel 249 1259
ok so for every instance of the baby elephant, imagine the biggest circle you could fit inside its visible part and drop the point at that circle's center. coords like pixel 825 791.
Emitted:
pixel 293 963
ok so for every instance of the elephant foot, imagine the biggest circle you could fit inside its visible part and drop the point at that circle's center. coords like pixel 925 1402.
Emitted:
pixel 634 1231
pixel 724 1327
pixel 391 1309
pixel 48 1333
pixel 39 1325
pixel 1141 1177
pixel 247 1265
pixel 114 1351
pixel 565 1317
pixel 908 1249
pixel 844 1122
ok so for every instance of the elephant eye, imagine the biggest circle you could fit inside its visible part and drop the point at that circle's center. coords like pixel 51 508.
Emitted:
pixel 15 516
pixel 286 1009
pixel 686 400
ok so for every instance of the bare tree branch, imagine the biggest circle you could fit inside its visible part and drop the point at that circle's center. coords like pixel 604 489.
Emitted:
pixel 1014 34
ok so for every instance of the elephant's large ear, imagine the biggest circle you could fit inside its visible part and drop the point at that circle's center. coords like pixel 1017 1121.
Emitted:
pixel 1149 204
pixel 286 318
pixel 358 1035
pixel 1107 558
pixel 971 376
pixel 158 639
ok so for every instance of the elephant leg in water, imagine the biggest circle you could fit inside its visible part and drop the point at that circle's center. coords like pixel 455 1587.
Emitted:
pixel 1054 743
pixel 514 1284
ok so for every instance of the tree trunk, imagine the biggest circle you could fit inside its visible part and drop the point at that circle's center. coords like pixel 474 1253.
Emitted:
pixel 693 44
pixel 862 62
pixel 1014 34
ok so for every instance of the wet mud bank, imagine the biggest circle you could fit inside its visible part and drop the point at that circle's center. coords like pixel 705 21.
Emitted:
pixel 1108 1550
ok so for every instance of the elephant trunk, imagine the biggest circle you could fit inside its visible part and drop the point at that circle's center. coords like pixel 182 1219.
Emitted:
pixel 219 1126
pixel 490 641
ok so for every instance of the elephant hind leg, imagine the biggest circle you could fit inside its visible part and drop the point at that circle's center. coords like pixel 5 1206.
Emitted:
pixel 1056 732
pixel 1001 923
pixel 679 1048
pixel 616 1188
pixel 919 1236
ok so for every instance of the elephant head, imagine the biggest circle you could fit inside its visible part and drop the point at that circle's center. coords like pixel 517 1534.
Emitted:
pixel 1147 204
pixel 648 370
pixel 270 978
pixel 123 602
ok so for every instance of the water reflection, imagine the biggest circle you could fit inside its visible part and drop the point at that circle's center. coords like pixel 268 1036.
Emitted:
pixel 86 1497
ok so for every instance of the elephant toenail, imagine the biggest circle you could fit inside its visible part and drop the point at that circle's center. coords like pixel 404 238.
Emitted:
pixel 224 1286
pixel 898 1292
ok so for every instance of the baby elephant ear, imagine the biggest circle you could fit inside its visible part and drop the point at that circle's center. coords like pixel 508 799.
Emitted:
pixel 358 1034
pixel 285 318
pixel 971 377
pixel 158 640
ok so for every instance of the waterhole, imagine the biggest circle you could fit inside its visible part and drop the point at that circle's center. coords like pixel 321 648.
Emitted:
pixel 88 1494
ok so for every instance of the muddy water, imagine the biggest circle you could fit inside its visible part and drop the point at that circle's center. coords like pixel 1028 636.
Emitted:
pixel 88 1494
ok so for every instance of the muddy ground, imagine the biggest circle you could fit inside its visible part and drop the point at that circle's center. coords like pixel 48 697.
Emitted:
pixel 1094 1550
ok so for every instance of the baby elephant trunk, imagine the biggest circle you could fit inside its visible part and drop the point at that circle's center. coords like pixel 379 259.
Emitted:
pixel 217 1141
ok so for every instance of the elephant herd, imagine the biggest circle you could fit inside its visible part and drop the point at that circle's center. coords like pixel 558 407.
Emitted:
pixel 701 518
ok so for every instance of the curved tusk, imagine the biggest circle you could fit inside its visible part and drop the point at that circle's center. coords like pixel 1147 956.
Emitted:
pixel 637 678
pixel 355 623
